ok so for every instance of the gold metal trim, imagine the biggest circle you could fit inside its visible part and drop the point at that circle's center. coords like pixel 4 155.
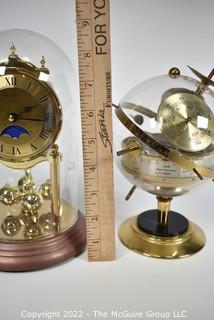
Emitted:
pixel 163 208
pixel 54 159
pixel 164 151
pixel 162 247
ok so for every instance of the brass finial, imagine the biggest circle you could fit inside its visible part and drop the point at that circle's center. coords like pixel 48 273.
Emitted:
pixel 42 63
pixel 174 72
pixel 13 50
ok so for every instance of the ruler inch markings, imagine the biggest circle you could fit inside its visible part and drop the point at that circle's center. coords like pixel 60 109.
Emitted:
pixel 93 40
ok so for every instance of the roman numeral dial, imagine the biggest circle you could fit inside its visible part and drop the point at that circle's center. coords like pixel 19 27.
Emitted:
pixel 30 118
pixel 43 99
pixel 44 134
pixel 16 151
pixel 11 81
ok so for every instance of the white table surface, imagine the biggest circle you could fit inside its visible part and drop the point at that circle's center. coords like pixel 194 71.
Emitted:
pixel 148 37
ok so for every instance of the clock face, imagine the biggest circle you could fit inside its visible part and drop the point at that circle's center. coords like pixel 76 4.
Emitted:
pixel 30 117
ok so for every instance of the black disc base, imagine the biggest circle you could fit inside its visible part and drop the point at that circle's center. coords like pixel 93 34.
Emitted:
pixel 148 222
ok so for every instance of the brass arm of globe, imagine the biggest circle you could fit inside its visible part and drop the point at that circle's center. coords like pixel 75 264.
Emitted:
pixel 169 150
pixel 141 109
pixel 205 81
pixel 180 115
pixel 132 146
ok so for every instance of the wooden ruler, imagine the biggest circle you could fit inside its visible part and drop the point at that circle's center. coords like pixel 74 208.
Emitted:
pixel 93 36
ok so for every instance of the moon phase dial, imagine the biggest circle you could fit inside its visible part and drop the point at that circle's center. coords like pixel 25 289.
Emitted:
pixel 14 131
pixel 186 121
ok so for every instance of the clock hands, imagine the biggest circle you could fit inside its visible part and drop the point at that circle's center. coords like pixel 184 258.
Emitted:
pixel 31 119
pixel 29 108
pixel 13 117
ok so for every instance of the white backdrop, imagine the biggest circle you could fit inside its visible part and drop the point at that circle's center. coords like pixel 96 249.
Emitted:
pixel 148 37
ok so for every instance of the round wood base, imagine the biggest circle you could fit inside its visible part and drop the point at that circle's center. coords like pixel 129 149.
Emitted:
pixel 46 252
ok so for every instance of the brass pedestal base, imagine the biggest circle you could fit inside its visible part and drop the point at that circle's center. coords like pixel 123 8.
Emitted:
pixel 161 247
pixel 43 252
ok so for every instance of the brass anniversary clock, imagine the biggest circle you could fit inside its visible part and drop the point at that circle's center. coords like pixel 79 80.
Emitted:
pixel 37 227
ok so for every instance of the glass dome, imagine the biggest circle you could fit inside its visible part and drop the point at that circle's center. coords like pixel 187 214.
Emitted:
pixel 167 133
pixel 38 196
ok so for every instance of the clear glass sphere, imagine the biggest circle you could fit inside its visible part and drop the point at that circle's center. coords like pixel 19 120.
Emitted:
pixel 167 129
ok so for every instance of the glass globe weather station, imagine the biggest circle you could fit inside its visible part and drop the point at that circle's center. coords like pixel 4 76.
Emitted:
pixel 166 148
pixel 39 223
